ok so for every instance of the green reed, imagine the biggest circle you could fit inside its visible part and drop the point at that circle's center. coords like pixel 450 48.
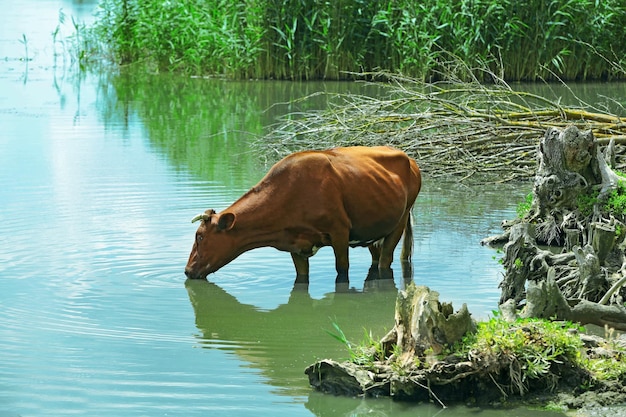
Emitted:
pixel 314 39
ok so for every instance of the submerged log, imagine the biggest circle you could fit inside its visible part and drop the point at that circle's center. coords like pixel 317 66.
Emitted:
pixel 343 378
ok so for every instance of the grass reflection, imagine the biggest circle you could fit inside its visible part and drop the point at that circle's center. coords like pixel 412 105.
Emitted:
pixel 205 125
pixel 201 126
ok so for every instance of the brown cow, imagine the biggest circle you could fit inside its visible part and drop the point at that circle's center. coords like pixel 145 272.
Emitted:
pixel 357 196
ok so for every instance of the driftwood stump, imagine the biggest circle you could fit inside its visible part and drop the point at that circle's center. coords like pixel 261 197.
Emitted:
pixel 423 324
pixel 423 328
pixel 567 253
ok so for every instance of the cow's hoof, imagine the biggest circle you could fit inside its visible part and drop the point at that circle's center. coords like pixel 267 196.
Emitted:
pixel 301 279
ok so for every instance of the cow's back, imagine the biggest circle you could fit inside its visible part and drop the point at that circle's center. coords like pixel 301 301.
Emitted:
pixel 378 185
pixel 358 172
pixel 366 189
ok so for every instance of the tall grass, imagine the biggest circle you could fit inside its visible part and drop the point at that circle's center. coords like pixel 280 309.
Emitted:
pixel 316 39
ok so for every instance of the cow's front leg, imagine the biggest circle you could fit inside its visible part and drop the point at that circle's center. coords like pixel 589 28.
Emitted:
pixel 302 268
pixel 341 261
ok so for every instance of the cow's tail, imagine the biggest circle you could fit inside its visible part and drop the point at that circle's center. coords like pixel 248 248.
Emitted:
pixel 407 243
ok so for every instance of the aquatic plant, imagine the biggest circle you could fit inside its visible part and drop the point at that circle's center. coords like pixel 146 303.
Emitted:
pixel 24 41
pixel 309 39
pixel 365 353
pixel 530 346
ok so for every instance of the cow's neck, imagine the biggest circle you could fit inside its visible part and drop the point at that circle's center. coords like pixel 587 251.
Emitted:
pixel 259 219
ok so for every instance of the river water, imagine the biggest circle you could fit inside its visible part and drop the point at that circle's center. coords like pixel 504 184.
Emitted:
pixel 100 175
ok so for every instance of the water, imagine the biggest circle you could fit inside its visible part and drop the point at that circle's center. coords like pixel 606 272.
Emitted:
pixel 99 178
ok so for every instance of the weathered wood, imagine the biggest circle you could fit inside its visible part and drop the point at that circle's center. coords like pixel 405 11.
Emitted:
pixel 573 184
pixel 603 239
pixel 523 261
pixel 411 371
pixel 423 324
pixel 566 169
pixel 545 300
pixel 423 328
pixel 614 288
pixel 590 277
pixel 340 378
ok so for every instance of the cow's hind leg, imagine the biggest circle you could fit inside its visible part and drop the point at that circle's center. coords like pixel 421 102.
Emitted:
pixel 373 274
pixel 390 242
pixel 375 252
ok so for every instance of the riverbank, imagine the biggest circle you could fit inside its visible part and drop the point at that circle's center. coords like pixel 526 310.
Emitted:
pixel 534 348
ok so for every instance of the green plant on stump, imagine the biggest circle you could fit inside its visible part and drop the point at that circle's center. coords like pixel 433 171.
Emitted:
pixel 528 348
pixel 519 354
pixel 364 353
pixel 586 202
pixel 616 203
pixel 524 207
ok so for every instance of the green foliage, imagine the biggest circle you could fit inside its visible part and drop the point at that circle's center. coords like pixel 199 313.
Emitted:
pixel 364 353
pixel 607 369
pixel 312 39
pixel 534 344
pixel 616 203
pixel 529 348
pixel 500 259
pixel 339 336
pixel 195 36
pixel 194 122
pixel 586 202
pixel 524 207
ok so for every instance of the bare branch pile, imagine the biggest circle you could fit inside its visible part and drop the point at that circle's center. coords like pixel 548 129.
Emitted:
pixel 467 130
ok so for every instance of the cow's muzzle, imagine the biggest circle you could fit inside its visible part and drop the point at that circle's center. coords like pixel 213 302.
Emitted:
pixel 193 275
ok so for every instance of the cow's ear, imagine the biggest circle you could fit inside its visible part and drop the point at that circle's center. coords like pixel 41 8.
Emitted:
pixel 226 221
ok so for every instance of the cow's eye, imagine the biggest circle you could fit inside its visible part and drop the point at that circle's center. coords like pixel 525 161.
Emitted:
pixel 199 238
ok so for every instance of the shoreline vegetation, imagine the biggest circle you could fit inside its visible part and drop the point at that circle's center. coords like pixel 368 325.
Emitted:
pixel 528 40
pixel 555 365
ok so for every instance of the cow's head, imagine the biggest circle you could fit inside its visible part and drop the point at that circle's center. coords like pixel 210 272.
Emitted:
pixel 214 246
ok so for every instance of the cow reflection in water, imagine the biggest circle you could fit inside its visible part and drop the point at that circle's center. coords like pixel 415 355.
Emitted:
pixel 282 342
pixel 342 197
